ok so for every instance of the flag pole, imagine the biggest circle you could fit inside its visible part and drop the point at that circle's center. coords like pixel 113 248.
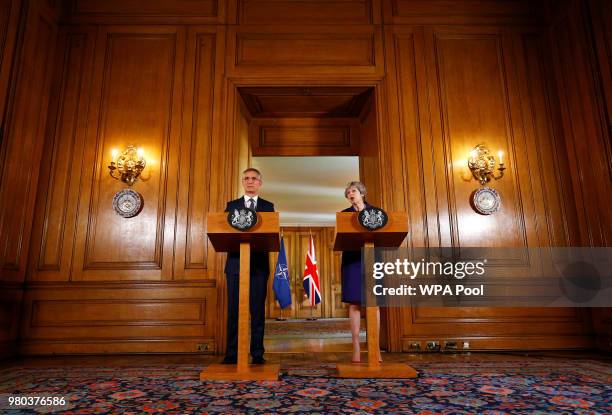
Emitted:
pixel 312 306
pixel 312 317
pixel 281 318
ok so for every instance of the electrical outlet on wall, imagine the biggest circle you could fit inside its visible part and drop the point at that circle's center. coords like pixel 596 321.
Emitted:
pixel 433 345
pixel 204 347
pixel 450 345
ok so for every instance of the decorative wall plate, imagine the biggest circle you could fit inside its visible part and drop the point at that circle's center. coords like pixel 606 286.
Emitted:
pixel 242 219
pixel 372 218
pixel 486 200
pixel 127 203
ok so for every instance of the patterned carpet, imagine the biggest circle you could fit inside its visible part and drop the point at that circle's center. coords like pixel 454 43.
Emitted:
pixel 529 386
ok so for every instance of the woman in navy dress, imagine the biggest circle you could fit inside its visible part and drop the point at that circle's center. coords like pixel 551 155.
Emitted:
pixel 351 269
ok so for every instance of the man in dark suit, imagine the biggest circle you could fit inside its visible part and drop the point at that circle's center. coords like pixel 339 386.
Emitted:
pixel 260 269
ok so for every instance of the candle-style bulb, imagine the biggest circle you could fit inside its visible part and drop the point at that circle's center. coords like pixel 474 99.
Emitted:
pixel 140 152
pixel 501 156
pixel 114 154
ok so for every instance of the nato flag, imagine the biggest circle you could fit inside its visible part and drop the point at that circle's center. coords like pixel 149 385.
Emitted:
pixel 281 286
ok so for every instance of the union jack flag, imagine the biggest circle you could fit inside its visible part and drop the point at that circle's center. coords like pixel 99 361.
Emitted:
pixel 312 287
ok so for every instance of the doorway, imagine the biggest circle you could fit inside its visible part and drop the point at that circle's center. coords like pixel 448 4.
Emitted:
pixel 308 191
pixel 277 129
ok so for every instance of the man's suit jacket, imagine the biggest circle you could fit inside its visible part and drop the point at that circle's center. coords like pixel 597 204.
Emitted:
pixel 259 260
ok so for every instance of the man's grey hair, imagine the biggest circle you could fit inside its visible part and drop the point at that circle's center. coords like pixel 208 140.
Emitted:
pixel 253 169
pixel 358 185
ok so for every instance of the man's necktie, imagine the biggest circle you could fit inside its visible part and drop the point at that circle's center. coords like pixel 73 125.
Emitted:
pixel 251 204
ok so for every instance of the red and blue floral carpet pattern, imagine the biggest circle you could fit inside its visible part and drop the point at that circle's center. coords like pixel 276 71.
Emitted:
pixel 545 386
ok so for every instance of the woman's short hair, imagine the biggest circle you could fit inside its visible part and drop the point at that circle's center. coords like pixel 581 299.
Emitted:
pixel 358 185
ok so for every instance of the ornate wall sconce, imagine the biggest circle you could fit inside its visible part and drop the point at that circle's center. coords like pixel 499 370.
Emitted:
pixel 128 165
pixel 482 164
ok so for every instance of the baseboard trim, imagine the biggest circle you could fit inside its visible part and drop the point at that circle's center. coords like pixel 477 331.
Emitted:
pixel 8 350
pixel 119 346
pixel 500 343
pixel 604 343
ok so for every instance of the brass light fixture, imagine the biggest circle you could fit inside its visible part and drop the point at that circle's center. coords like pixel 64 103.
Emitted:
pixel 128 165
pixel 482 164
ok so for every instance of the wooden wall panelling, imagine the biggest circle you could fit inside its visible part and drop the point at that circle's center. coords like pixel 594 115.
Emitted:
pixel 118 317
pixel 52 8
pixel 231 157
pixel 417 155
pixel 304 136
pixel 558 218
pixel 584 124
pixel 476 66
pixel 379 168
pixel 202 99
pixel 474 106
pixel 305 101
pixel 10 292
pixel 579 45
pixel 600 18
pixel 243 146
pixel 462 12
pixel 410 123
pixel 11 295
pixel 369 152
pixel 402 166
pixel 226 154
pixel 308 12
pixel 22 143
pixel 53 231
pixel 487 69
pixel 502 327
pixel 221 152
pixel 432 150
pixel 413 177
pixel 27 50
pixel 303 51
pixel 147 11
pixel 10 12
pixel 602 324
pixel 546 143
pixel 136 99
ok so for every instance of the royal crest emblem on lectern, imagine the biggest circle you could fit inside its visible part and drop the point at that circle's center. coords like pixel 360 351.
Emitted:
pixel 372 218
pixel 242 219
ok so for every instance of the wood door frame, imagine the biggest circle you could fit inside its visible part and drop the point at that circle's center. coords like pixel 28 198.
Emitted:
pixel 391 318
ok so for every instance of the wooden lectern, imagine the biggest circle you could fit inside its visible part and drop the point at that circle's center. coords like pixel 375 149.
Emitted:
pixel 261 237
pixel 351 236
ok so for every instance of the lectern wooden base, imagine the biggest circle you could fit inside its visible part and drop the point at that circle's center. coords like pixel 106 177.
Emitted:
pixel 224 238
pixel 231 372
pixel 350 235
pixel 381 371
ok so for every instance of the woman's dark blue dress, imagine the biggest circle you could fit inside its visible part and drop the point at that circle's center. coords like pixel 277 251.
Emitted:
pixel 351 273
